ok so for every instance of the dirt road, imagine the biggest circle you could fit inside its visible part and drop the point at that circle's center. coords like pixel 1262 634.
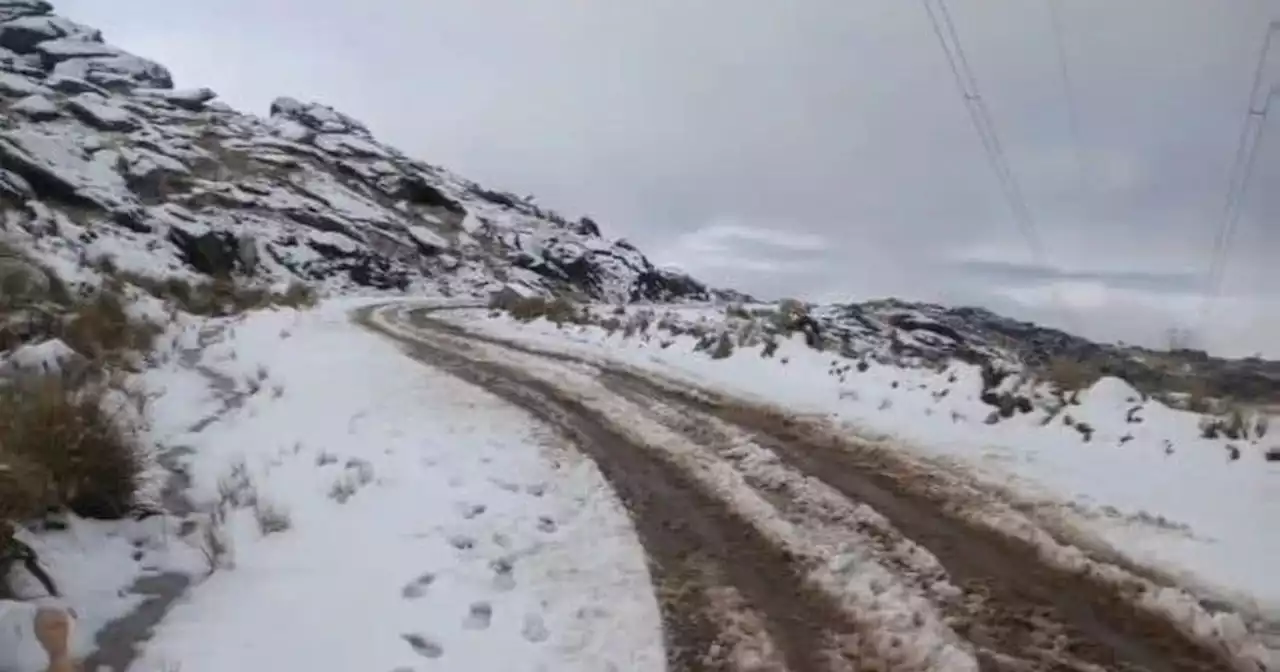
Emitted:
pixel 740 592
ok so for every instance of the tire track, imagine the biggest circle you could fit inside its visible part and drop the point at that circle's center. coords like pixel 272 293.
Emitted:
pixel 1020 613
pixel 1025 614
pixel 699 550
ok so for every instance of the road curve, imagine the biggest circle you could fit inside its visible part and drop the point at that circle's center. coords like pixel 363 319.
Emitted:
pixel 734 598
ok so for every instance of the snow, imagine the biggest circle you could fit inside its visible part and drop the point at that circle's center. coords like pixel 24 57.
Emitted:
pixel 428 238
pixel 36 107
pixel 41 358
pixel 1192 512
pixel 65 154
pixel 101 113
pixel 17 85
pixel 428 523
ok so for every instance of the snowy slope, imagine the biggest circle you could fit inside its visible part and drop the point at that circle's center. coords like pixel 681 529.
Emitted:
pixel 350 510
pixel 100 156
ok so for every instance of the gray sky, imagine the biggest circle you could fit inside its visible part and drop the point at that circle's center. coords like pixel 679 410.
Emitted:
pixel 814 148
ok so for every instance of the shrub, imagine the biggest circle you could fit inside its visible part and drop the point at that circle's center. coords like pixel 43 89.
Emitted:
pixel 271 518
pixel 101 328
pixel 558 310
pixel 723 347
pixel 64 447
pixel 219 296
pixel 1071 375
pixel 297 295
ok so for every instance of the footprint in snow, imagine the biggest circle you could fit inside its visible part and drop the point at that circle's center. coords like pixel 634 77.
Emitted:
pixel 470 511
pixel 505 485
pixel 546 524
pixel 503 574
pixel 423 646
pixel 479 616
pixel 534 629
pixel 418 587
pixel 462 542
pixel 536 489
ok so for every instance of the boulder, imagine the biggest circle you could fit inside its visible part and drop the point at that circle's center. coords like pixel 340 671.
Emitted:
pixel 654 284
pixel 24 35
pixel 587 227
pixel 120 72
pixel 52 357
pixel 36 108
pixel 415 190
pixel 215 253
pixel 18 86
pixel 13 188
pixel 97 112
pixel 317 117
pixel 16 9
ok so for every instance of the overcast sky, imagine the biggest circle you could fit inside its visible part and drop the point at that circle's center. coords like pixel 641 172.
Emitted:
pixel 816 148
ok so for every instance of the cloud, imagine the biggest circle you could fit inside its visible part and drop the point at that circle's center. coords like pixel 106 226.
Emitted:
pixel 728 247
pixel 833 118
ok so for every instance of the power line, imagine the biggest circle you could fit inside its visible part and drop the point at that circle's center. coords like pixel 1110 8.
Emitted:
pixel 1251 133
pixel 1064 72
pixel 967 85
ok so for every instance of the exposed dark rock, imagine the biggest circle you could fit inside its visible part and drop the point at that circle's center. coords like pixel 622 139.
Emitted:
pixel 499 197
pixel 215 253
pixel 74 85
pixel 317 117
pixel 24 35
pixel 414 189
pixel 588 227
pixel 378 273
pixel 13 9
pixel 14 188
pixel 660 285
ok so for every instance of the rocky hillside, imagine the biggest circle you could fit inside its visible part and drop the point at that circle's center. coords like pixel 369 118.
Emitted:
pixel 100 157
pixel 933 333
pixel 103 162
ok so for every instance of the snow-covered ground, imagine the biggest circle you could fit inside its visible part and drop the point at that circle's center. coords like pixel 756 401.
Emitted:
pixel 379 515
pixel 1145 483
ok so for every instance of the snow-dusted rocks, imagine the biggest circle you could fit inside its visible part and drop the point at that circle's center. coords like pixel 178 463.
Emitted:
pixel 98 112
pixel 317 117
pixel 25 34
pixel 52 357
pixel 36 108
pixel 96 145
pixel 13 9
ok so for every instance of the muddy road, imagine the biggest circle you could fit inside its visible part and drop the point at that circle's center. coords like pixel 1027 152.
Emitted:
pixel 735 594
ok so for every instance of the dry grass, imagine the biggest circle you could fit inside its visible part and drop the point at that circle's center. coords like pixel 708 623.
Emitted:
pixel 102 330
pixel 1071 375
pixel 271 518
pixel 558 310
pixel 64 447
pixel 215 297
